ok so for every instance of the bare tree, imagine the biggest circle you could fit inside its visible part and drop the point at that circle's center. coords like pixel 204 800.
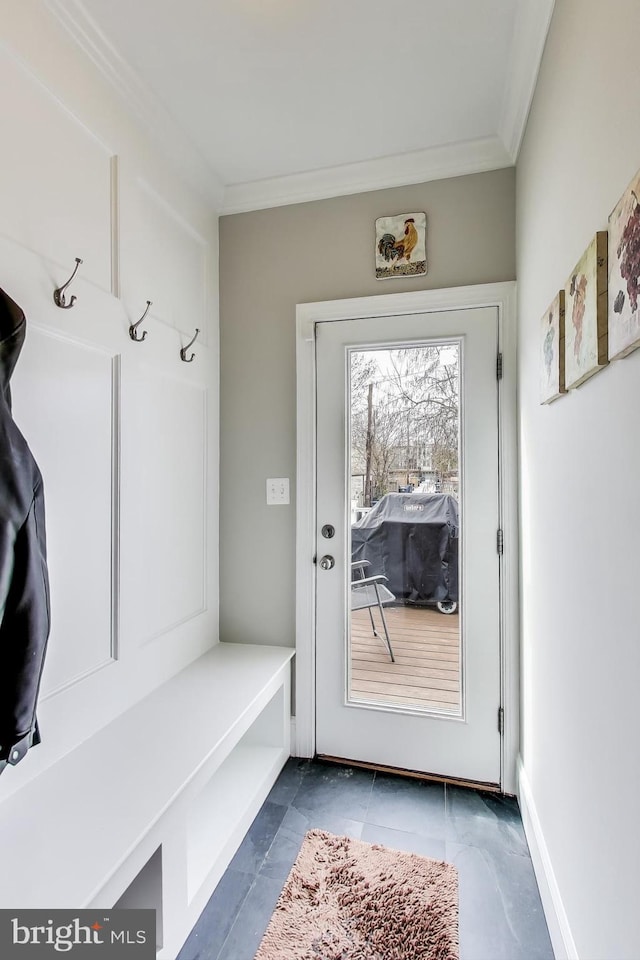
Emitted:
pixel 363 371
pixel 376 431
pixel 375 428
pixel 404 399
pixel 385 437
pixel 427 381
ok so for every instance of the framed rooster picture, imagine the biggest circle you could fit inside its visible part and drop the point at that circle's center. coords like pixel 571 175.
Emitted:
pixel 401 246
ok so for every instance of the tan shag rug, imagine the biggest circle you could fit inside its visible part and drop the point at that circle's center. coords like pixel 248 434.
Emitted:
pixel 349 900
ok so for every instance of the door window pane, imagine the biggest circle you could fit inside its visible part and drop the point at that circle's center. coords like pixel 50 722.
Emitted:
pixel 404 474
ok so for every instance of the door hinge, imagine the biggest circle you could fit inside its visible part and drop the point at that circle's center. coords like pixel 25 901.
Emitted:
pixel 500 720
pixel 499 366
pixel 500 541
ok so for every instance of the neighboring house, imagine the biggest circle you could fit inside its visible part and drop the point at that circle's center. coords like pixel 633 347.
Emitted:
pixel 416 457
pixel 404 467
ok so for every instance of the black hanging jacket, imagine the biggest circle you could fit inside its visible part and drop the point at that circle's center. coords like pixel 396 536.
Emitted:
pixel 24 584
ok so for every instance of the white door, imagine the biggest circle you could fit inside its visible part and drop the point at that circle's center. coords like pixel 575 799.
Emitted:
pixel 409 402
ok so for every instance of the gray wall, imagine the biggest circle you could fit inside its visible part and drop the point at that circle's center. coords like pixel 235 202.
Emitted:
pixel 270 260
pixel 580 468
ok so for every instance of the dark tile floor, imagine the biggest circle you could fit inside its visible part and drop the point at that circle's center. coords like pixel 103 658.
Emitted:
pixel 500 911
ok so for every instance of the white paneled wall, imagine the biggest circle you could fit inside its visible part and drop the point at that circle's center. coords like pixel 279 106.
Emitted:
pixel 164 507
pixel 125 433
pixel 74 444
pixel 162 252
pixel 57 191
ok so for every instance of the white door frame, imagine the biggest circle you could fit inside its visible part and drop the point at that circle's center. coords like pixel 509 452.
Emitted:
pixel 503 297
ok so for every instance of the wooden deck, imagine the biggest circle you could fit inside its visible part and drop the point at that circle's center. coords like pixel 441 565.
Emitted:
pixel 426 647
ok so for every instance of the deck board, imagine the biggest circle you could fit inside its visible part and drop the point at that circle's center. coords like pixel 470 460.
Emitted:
pixel 426 646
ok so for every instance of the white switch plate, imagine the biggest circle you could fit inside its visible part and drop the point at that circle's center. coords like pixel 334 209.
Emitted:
pixel 278 490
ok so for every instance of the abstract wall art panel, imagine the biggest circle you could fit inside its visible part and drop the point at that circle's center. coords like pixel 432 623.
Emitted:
pixel 552 378
pixel 624 273
pixel 585 299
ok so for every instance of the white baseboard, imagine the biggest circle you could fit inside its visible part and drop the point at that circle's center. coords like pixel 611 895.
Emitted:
pixel 559 930
pixel 299 742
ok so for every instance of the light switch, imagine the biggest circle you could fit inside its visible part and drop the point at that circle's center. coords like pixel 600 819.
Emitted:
pixel 278 490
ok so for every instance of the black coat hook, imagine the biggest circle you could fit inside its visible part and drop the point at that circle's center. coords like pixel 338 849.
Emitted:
pixel 58 294
pixel 133 327
pixel 183 350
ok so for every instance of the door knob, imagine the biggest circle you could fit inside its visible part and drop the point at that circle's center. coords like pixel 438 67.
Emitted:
pixel 327 562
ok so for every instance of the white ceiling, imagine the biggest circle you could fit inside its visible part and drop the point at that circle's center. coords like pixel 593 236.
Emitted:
pixel 295 99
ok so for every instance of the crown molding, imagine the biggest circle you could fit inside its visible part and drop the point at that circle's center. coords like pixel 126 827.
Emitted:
pixel 533 19
pixel 451 160
pixel 139 101
pixel 420 166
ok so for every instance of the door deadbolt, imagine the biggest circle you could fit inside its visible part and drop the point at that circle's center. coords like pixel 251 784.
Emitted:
pixel 327 562
pixel 328 531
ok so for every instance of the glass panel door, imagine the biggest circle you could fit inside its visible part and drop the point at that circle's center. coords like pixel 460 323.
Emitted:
pixel 408 401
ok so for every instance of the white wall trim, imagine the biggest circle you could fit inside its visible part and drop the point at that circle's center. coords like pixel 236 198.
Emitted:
pixel 533 18
pixel 503 297
pixel 559 930
pixel 419 166
pixel 509 520
pixel 305 674
pixel 139 101
pixel 292 736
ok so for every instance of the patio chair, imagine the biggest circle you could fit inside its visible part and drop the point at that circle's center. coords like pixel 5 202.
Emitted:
pixel 368 592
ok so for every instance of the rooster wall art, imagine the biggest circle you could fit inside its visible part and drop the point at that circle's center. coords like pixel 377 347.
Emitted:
pixel 401 246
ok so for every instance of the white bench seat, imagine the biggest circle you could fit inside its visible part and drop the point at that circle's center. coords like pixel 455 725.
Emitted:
pixel 184 770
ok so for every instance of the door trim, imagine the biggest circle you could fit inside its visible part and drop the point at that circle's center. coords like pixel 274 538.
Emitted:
pixel 503 297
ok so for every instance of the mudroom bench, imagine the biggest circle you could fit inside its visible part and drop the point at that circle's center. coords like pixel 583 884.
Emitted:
pixel 150 811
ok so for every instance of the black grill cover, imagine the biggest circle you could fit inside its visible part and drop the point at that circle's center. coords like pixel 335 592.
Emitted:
pixel 412 538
